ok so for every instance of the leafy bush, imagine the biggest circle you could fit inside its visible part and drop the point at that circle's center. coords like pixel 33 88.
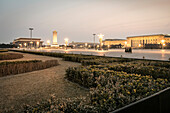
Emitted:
pixel 10 56
pixel 155 72
pixel 111 91
pixel 11 68
pixel 78 58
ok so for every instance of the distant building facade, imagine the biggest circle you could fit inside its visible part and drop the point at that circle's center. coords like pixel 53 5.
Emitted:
pixel 115 42
pixel 152 41
pixel 83 44
pixel 28 42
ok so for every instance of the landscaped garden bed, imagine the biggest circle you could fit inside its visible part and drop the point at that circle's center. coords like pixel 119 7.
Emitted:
pixel 17 67
pixel 3 50
pixel 113 83
pixel 10 56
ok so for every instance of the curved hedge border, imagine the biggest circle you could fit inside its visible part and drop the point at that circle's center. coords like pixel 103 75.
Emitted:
pixel 3 50
pixel 10 56
pixel 12 68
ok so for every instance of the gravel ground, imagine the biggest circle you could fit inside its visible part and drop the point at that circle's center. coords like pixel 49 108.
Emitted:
pixel 31 87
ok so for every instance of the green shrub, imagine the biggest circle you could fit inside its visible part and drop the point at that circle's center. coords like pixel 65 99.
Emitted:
pixel 112 90
pixel 11 68
pixel 3 50
pixel 155 72
pixel 10 56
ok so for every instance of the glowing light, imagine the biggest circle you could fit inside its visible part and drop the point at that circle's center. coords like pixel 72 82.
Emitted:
pixel 25 44
pixel 48 42
pixel 163 44
pixel 85 44
pixel 162 41
pixel 38 43
pixel 100 36
pixel 31 42
pixel 139 45
pixel 66 41
pixel 125 43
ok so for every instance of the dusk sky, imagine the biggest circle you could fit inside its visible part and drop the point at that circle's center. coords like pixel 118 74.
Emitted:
pixel 79 19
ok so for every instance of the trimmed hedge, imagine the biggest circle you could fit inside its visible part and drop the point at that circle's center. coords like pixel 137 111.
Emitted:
pixel 10 56
pixel 154 71
pixel 111 90
pixel 3 50
pixel 12 68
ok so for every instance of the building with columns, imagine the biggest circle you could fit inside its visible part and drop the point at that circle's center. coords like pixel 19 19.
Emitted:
pixel 28 42
pixel 142 41
pixel 110 42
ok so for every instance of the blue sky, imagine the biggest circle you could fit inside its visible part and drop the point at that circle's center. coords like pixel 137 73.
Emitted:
pixel 79 19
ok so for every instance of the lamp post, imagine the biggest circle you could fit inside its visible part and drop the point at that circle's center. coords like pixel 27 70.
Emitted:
pixel 94 39
pixel 31 29
pixel 38 44
pixel 100 40
pixel 66 42
pixel 163 43
pixel 48 42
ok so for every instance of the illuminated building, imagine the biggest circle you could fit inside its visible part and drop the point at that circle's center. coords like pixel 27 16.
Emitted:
pixel 110 42
pixel 28 42
pixel 146 40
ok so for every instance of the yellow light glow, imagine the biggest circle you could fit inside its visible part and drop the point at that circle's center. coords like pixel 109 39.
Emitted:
pixel 162 41
pixel 38 43
pixel 101 36
pixel 125 43
pixel 66 40
pixel 163 44
pixel 139 45
pixel 48 42
pixel 31 42
pixel 25 44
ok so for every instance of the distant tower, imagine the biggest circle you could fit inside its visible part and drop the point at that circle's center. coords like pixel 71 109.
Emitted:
pixel 54 37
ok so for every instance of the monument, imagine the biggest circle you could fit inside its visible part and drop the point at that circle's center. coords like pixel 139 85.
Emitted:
pixel 54 39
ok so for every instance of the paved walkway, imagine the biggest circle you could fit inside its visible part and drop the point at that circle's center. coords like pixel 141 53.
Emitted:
pixel 28 88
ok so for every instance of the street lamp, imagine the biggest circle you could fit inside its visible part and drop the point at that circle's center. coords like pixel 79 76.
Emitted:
pixel 94 39
pixel 66 42
pixel 48 42
pixel 163 43
pixel 38 44
pixel 100 39
pixel 25 44
pixel 31 35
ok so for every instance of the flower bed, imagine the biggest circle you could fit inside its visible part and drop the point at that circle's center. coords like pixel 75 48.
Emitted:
pixel 154 71
pixel 110 90
pixel 11 68
pixel 110 87
pixel 10 56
